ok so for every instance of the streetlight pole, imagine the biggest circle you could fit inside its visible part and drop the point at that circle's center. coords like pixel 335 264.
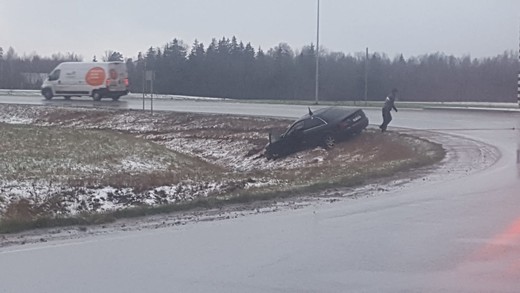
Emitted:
pixel 317 55
pixel 518 81
pixel 366 77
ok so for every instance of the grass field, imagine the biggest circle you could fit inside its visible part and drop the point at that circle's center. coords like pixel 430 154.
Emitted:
pixel 101 158
pixel 74 166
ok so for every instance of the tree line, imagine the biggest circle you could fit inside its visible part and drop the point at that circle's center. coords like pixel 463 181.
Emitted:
pixel 230 68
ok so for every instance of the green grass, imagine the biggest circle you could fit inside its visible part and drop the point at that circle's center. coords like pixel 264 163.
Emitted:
pixel 89 157
pixel 242 197
pixel 96 158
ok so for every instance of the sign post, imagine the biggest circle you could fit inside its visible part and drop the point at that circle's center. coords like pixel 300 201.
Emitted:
pixel 144 81
pixel 150 76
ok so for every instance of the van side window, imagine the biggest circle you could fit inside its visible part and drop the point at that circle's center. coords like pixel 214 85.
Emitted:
pixel 55 75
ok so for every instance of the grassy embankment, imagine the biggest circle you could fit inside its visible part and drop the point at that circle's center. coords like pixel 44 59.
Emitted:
pixel 72 159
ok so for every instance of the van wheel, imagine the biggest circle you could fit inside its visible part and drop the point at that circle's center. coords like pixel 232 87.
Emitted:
pixel 67 97
pixel 47 94
pixel 96 96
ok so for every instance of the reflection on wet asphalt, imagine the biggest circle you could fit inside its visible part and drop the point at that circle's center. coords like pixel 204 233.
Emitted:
pixel 86 103
pixel 83 102
pixel 454 230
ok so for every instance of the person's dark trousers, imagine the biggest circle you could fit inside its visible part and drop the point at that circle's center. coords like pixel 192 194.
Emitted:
pixel 387 117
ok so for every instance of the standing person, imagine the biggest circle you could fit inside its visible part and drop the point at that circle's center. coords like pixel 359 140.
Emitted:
pixel 389 105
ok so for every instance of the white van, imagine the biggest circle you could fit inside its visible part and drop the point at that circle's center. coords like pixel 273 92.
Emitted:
pixel 95 79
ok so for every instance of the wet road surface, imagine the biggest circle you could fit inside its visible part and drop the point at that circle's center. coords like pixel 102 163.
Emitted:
pixel 455 231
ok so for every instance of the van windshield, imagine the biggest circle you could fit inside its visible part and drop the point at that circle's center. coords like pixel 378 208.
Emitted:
pixel 55 75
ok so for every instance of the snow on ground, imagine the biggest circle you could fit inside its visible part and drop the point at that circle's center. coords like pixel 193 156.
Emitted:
pixel 73 200
pixel 224 152
pixel 9 92
pixel 231 144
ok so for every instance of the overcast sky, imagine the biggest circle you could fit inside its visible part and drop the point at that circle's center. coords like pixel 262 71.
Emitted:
pixel 480 28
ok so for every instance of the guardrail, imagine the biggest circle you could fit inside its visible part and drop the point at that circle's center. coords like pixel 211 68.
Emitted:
pixel 453 105
pixel 8 92
pixel 37 93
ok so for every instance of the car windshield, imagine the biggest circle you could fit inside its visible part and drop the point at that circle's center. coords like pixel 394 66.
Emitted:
pixel 298 126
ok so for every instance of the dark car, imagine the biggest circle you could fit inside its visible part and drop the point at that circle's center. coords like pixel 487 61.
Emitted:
pixel 324 128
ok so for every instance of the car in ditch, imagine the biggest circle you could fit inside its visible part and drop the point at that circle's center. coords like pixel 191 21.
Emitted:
pixel 323 127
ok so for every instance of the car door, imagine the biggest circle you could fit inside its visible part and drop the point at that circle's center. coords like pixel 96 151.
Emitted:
pixel 69 81
pixel 313 130
pixel 55 79
pixel 293 138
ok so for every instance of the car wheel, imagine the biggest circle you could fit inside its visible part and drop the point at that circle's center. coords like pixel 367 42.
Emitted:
pixel 96 96
pixel 329 141
pixel 47 94
pixel 115 98
pixel 271 156
pixel 67 97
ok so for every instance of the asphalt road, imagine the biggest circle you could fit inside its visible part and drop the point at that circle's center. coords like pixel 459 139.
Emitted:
pixel 457 230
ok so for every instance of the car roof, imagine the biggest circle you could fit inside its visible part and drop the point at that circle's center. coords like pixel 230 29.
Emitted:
pixel 332 113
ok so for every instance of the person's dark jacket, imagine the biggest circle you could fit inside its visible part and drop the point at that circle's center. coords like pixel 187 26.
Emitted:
pixel 389 103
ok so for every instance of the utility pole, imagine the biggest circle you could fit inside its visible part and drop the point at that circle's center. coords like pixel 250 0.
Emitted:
pixel 1 67
pixel 366 77
pixel 144 80
pixel 518 81
pixel 317 55
pixel 151 92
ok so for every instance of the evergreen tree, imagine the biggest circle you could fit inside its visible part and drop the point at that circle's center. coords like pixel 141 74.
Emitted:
pixel 196 73
pixel 232 68
pixel 115 56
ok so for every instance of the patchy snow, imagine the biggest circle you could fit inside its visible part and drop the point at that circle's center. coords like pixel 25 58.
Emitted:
pixel 74 200
pixel 227 152
pixel 234 144
pixel 136 165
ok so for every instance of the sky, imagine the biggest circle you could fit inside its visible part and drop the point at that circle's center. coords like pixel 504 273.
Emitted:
pixel 480 28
